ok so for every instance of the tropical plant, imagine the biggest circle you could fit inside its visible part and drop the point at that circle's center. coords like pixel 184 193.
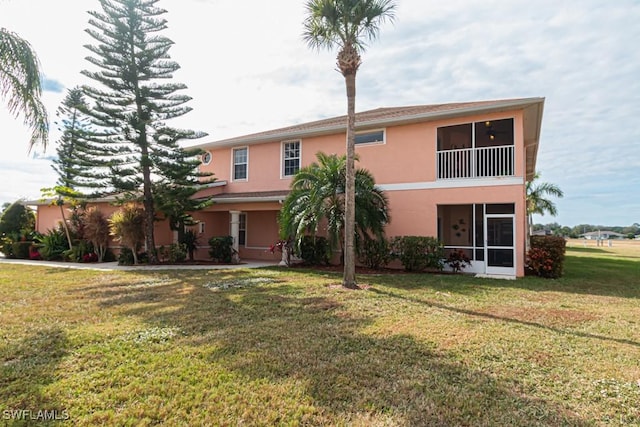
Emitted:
pixel 190 242
pixel 347 24
pixel 458 260
pixel 317 200
pixel 135 100
pixel 536 201
pixel 96 230
pixel 62 196
pixel 127 226
pixel 52 245
pixel 20 85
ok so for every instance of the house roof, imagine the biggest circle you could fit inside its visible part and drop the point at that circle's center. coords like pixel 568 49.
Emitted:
pixel 393 116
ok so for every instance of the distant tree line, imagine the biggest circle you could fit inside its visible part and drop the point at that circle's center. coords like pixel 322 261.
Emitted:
pixel 574 232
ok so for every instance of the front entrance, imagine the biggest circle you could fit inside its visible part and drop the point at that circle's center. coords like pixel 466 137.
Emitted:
pixel 500 251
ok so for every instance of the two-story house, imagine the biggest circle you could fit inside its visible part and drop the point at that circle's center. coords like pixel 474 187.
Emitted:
pixel 456 171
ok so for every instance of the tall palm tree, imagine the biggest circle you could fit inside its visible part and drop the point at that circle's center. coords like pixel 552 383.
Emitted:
pixel 20 85
pixel 317 198
pixel 347 24
pixel 536 201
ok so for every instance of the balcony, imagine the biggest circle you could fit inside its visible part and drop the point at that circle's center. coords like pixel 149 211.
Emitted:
pixel 485 162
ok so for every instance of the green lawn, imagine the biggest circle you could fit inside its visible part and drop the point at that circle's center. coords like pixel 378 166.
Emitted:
pixel 282 347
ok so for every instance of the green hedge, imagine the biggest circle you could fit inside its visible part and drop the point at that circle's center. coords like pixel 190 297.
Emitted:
pixel 314 250
pixel 221 249
pixel 546 256
pixel 418 253
pixel 20 250
pixel 374 253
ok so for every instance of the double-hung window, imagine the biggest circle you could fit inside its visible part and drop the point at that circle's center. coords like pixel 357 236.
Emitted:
pixel 290 158
pixel 240 163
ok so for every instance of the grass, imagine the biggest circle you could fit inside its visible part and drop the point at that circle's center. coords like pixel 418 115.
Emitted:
pixel 280 347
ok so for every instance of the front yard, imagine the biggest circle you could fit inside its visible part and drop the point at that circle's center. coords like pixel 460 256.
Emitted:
pixel 280 347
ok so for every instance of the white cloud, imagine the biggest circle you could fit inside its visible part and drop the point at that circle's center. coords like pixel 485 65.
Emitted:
pixel 248 70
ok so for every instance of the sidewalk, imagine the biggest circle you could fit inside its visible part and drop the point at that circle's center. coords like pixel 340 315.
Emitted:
pixel 113 266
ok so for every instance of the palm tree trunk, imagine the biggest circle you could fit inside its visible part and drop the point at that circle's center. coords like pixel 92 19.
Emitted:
pixel 65 226
pixel 349 279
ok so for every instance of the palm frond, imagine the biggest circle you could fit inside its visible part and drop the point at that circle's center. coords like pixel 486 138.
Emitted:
pixel 20 85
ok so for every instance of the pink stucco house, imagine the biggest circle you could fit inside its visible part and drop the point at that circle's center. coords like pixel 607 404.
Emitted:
pixel 456 171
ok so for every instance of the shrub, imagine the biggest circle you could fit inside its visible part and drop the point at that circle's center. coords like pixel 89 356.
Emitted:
pixel 314 250
pixel 78 251
pixel 458 260
pixel 126 257
pixel 6 247
pixel 546 256
pixel 374 253
pixel 90 257
pixel 177 252
pixel 221 249
pixel 34 253
pixel 53 245
pixel 417 253
pixel 20 250
pixel 190 241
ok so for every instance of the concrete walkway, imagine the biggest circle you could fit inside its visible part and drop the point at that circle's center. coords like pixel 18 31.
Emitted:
pixel 113 266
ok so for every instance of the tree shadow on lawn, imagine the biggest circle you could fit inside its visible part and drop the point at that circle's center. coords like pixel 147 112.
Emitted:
pixel 279 334
pixel 491 316
pixel 27 367
pixel 588 276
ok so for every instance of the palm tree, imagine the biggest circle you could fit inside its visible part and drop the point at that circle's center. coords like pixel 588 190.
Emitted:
pixel 20 85
pixel 317 198
pixel 347 24
pixel 536 201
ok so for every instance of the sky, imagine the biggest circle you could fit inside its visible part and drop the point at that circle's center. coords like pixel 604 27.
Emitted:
pixel 248 70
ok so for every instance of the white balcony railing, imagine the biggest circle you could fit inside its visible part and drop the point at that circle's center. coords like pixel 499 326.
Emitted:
pixel 476 162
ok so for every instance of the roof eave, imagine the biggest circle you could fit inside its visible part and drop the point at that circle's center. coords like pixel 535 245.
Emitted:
pixel 382 122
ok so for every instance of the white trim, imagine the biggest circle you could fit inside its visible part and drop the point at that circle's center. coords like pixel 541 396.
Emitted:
pixel 233 164
pixel 492 270
pixel 278 199
pixel 282 143
pixel 453 183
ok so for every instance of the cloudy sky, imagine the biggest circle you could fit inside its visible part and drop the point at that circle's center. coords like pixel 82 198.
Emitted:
pixel 248 70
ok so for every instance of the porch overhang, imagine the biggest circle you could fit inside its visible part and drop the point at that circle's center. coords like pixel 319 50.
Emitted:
pixel 251 197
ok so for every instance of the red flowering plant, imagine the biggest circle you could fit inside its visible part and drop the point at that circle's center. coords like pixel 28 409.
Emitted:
pixel 283 246
pixel 540 262
pixel 90 257
pixel 458 260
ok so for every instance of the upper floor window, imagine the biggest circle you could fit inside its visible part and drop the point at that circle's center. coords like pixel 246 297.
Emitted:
pixel 490 133
pixel 290 158
pixel 370 137
pixel 206 158
pixel 240 163
pixel 476 150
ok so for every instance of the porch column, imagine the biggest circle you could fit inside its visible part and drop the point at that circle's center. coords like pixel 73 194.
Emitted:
pixel 235 233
